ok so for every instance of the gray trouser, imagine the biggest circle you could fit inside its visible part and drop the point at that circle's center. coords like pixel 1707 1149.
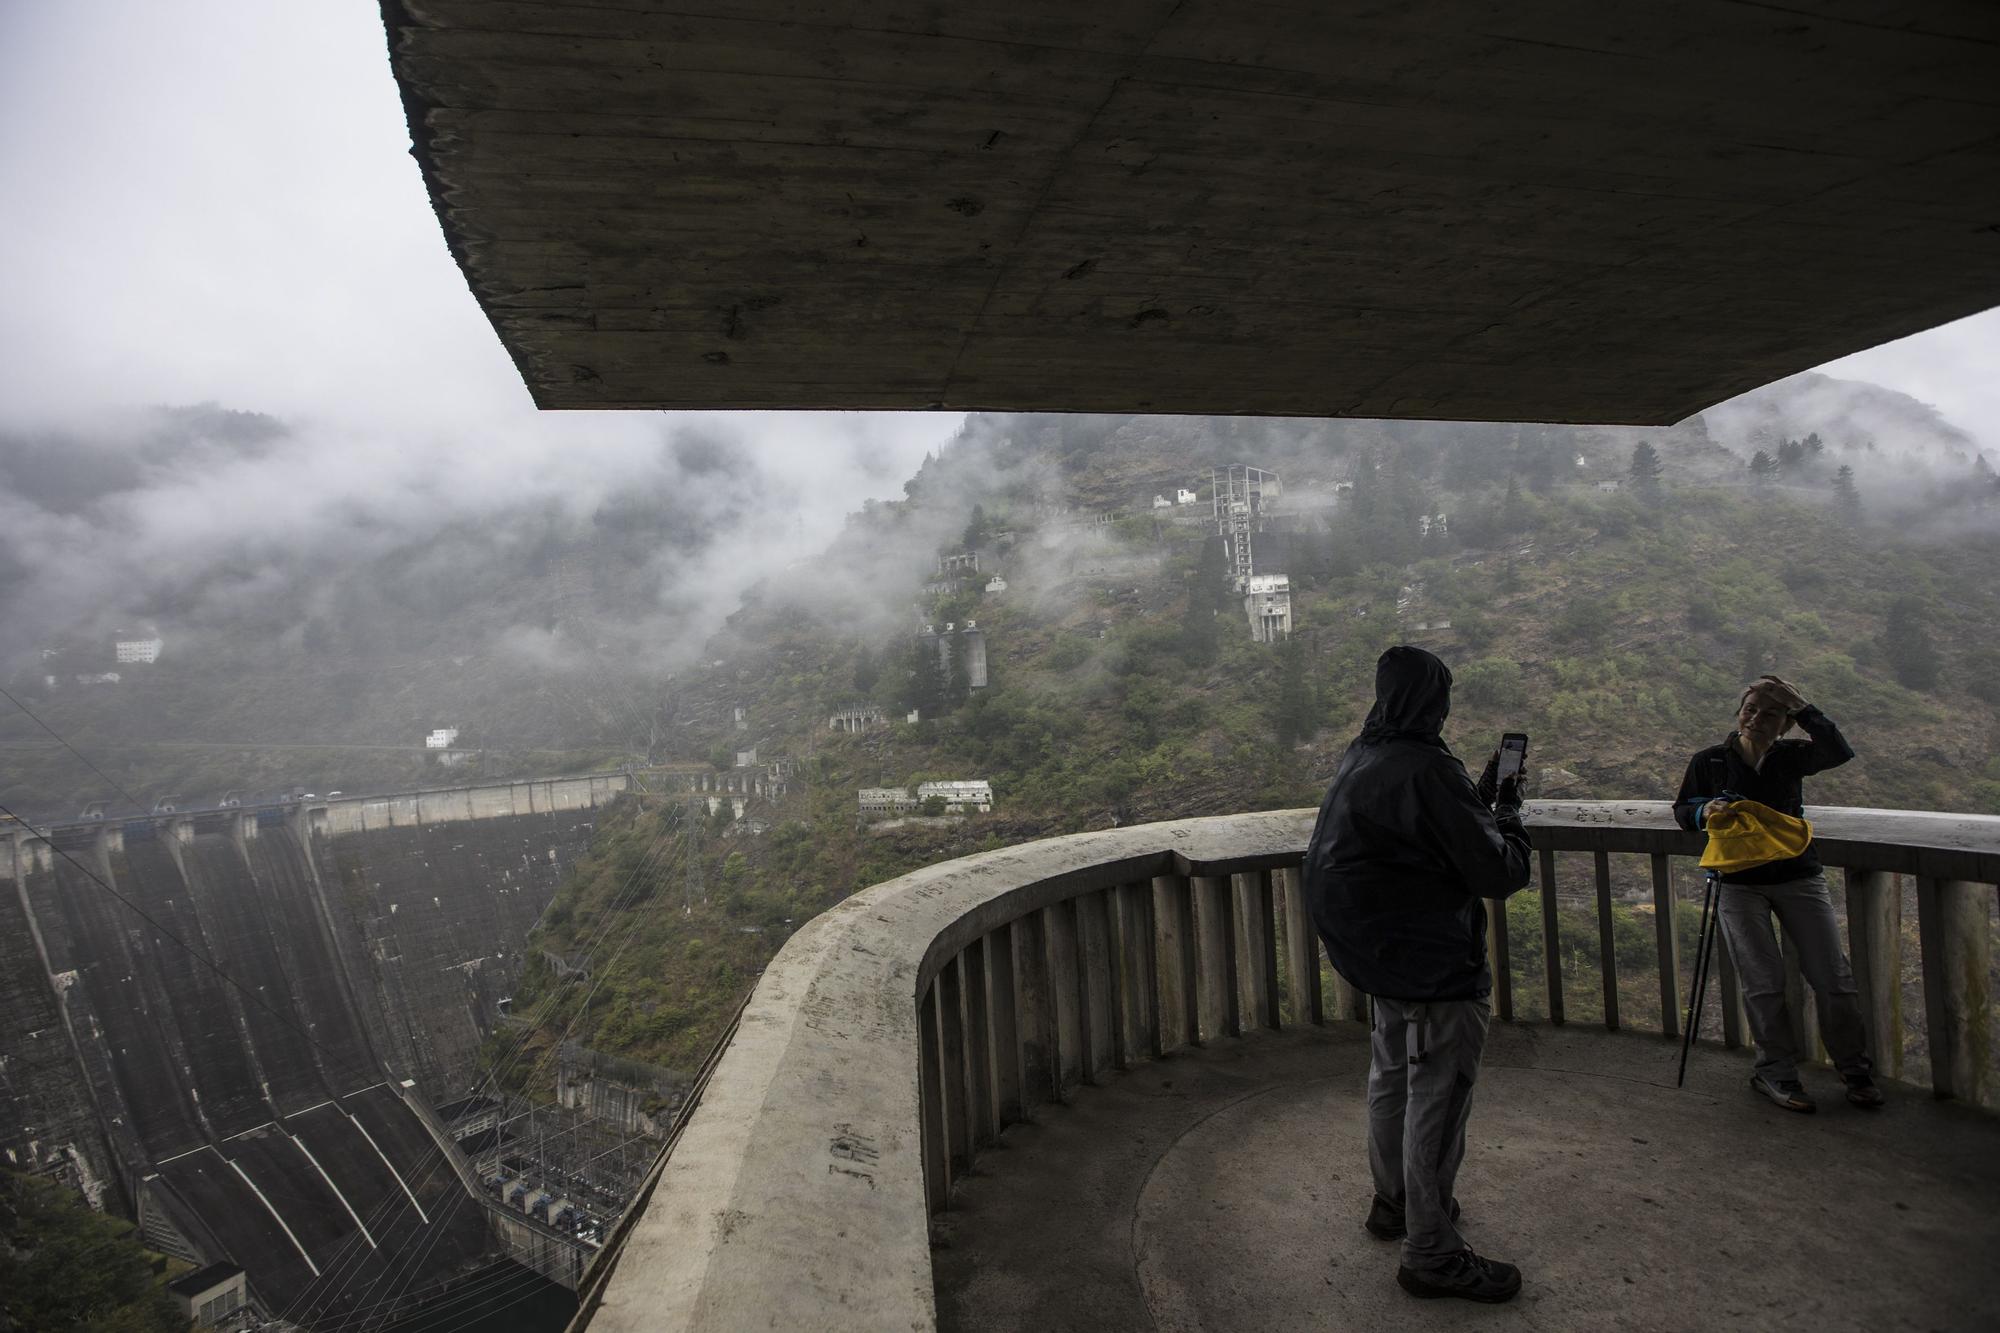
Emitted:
pixel 1424 1063
pixel 1806 913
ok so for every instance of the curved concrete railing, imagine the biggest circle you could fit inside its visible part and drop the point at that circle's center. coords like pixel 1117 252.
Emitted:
pixel 899 1032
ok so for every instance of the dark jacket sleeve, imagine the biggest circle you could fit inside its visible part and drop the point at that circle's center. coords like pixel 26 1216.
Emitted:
pixel 1489 851
pixel 1828 748
pixel 1694 795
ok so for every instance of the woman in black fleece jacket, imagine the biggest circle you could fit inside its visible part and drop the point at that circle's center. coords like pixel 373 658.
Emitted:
pixel 1754 764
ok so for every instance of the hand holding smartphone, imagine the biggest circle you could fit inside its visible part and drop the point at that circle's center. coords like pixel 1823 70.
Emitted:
pixel 1513 763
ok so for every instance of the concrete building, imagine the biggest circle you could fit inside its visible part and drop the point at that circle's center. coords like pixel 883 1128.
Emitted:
pixel 963 562
pixel 215 1297
pixel 1184 496
pixel 1268 604
pixel 747 758
pixel 441 739
pixel 880 801
pixel 857 717
pixel 959 796
pixel 996 584
pixel 140 648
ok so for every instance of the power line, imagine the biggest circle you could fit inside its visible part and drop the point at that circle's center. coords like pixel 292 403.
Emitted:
pixel 114 783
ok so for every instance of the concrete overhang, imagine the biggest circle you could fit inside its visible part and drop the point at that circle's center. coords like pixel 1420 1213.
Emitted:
pixel 1548 210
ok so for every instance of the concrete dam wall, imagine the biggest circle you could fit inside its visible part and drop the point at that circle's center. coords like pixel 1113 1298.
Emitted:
pixel 282 1122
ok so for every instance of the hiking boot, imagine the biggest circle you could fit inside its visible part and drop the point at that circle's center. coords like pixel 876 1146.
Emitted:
pixel 1861 1090
pixel 1465 1276
pixel 1788 1093
pixel 1385 1219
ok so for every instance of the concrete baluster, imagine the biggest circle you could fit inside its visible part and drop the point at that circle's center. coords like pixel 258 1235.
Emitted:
pixel 1034 1014
pixel 1875 945
pixel 1174 948
pixel 1065 996
pixel 956 1079
pixel 1215 957
pixel 1098 995
pixel 1301 951
pixel 1256 951
pixel 1607 942
pixel 1139 901
pixel 1666 943
pixel 1131 939
pixel 935 1108
pixel 1551 937
pixel 1954 923
pixel 982 1109
pixel 1003 1007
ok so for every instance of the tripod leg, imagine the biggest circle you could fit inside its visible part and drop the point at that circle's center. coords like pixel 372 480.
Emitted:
pixel 1704 947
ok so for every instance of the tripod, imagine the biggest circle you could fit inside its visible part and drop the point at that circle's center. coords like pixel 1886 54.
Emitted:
pixel 1704 955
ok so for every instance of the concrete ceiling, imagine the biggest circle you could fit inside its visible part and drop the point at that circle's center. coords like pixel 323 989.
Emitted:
pixel 1548 210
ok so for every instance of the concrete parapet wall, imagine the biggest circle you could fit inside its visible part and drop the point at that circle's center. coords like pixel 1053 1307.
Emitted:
pixel 447 805
pixel 900 1031
pixel 814 1112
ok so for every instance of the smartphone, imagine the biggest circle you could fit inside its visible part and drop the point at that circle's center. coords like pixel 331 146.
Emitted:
pixel 1513 754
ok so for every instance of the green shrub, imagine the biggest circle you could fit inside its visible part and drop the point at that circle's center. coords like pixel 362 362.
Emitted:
pixel 1493 682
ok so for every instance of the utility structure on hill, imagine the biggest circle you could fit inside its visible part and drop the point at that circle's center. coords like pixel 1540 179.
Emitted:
pixel 1236 496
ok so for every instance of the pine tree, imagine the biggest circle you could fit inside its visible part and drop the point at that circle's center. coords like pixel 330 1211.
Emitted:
pixel 1906 642
pixel 1846 496
pixel 1294 715
pixel 1646 470
pixel 1763 467
pixel 1791 454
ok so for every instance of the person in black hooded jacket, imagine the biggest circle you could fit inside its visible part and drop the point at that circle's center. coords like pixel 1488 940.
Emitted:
pixel 1405 852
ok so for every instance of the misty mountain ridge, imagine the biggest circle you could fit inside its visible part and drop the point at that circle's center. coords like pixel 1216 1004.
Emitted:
pixel 576 621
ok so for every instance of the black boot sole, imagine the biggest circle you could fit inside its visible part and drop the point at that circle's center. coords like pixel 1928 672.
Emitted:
pixel 1424 1291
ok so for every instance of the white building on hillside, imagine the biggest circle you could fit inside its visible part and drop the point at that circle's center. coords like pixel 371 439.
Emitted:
pixel 886 800
pixel 143 648
pixel 975 794
pixel 1184 496
pixel 441 739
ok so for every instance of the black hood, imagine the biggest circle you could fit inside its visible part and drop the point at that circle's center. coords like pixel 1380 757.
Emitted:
pixel 1412 697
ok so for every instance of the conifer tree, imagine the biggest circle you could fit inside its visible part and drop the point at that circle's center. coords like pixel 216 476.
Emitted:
pixel 1906 642
pixel 1763 467
pixel 1846 496
pixel 1646 470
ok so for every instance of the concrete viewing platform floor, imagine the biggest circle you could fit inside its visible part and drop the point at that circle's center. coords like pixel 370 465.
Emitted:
pixel 1224 1189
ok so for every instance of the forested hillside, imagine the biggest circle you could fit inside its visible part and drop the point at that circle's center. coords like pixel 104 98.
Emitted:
pixel 1607 591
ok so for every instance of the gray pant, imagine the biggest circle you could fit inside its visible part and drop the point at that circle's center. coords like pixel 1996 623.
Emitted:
pixel 1424 1062
pixel 1806 912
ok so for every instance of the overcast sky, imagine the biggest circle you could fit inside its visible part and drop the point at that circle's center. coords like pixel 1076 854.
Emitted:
pixel 215 201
